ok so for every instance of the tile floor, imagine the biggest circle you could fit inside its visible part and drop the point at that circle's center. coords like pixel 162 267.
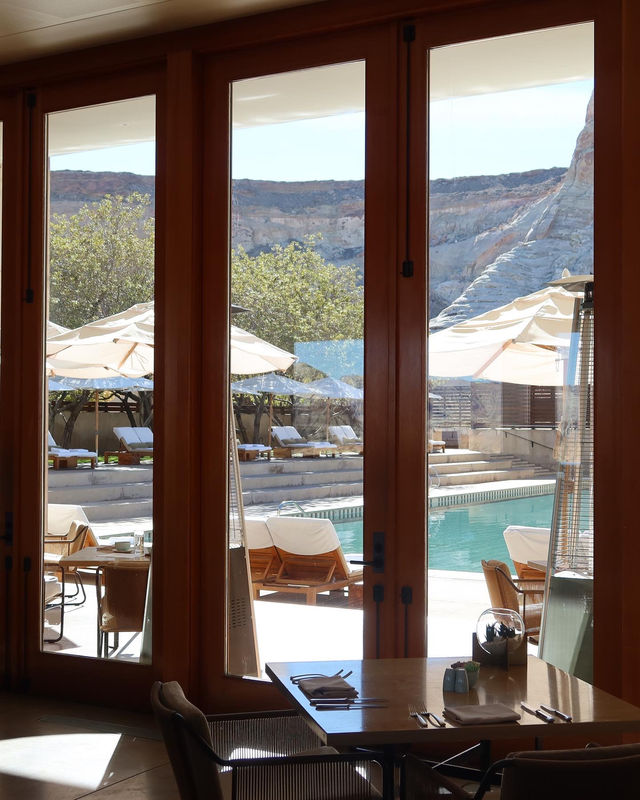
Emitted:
pixel 63 751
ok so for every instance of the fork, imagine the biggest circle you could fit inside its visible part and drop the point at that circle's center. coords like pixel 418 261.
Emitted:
pixel 418 716
pixel 424 717
pixel 304 676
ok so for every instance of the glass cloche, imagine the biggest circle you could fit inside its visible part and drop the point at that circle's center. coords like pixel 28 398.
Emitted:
pixel 500 630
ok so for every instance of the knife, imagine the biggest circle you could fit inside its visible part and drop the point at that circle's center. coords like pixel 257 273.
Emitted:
pixel 537 712
pixel 561 714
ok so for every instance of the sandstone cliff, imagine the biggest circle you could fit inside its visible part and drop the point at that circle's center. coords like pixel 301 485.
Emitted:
pixel 492 238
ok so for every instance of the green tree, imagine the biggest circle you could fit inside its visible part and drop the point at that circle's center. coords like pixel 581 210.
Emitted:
pixel 294 295
pixel 101 259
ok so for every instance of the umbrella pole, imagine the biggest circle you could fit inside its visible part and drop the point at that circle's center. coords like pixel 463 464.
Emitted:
pixel 270 419
pixel 328 415
pixel 97 421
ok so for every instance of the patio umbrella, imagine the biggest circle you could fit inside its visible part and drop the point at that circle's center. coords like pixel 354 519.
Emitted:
pixel 123 344
pixel 334 389
pixel 271 384
pixel 525 341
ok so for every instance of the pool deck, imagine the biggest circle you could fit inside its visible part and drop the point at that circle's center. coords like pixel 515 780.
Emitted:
pixel 288 632
pixel 340 509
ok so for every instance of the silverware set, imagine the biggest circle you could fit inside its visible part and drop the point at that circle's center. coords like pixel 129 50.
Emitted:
pixel 339 674
pixel 423 717
pixel 546 713
pixel 347 703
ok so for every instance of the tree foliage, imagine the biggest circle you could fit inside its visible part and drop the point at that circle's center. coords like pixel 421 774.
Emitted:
pixel 294 295
pixel 101 259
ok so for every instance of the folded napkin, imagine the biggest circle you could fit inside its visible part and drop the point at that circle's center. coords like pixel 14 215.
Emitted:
pixel 327 686
pixel 479 714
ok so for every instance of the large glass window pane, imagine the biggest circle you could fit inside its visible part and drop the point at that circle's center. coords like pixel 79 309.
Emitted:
pixel 511 211
pixel 98 481
pixel 297 261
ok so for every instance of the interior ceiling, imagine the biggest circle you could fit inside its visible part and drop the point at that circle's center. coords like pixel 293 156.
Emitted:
pixel 553 56
pixel 34 28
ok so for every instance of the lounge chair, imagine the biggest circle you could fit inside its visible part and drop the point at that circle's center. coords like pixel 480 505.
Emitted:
pixel 527 544
pixel 435 442
pixel 249 452
pixel 504 592
pixel 344 437
pixel 309 559
pixel 288 441
pixel 134 444
pixel 68 459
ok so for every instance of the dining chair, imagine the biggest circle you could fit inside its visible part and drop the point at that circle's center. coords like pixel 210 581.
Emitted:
pixel 522 596
pixel 590 773
pixel 271 755
pixel 121 603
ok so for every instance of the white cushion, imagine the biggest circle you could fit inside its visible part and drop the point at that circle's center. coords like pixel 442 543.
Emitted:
pixel 305 536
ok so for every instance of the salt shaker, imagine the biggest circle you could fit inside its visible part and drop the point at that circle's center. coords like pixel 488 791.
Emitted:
pixel 449 680
pixel 462 682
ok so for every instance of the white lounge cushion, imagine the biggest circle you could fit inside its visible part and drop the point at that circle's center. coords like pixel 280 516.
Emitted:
pixel 305 536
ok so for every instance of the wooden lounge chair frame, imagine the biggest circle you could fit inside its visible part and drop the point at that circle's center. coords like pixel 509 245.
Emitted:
pixel 63 458
pixel 274 569
pixel 286 448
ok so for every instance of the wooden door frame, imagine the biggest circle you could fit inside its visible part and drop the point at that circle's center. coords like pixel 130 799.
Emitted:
pixel 73 676
pixel 377 46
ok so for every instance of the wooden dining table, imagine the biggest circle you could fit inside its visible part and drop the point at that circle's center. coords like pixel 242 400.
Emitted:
pixel 399 683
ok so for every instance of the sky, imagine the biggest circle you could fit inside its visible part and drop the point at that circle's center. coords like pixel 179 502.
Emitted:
pixel 491 134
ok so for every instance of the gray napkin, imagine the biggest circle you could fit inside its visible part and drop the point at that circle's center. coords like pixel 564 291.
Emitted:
pixel 479 714
pixel 326 686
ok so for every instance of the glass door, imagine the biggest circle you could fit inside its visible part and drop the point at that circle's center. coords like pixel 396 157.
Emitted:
pixel 511 123
pixel 307 301
pixel 98 525
pixel 297 362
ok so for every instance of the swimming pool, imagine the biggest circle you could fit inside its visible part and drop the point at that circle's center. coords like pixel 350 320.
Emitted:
pixel 459 538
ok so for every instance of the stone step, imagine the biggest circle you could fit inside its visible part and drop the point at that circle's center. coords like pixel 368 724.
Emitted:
pixel 80 495
pixel 457 467
pixel 485 476
pixel 58 478
pixel 289 466
pixel 307 478
pixel 124 509
pixel 300 493
pixel 452 456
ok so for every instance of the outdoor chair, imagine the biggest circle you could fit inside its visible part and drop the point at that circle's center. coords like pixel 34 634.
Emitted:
pixel 344 437
pixel 435 442
pixel 271 755
pixel 264 559
pixel 67 532
pixel 249 452
pixel 309 560
pixel 527 544
pixel 288 441
pixel 521 596
pixel 63 458
pixel 589 773
pixel 134 444
pixel 121 604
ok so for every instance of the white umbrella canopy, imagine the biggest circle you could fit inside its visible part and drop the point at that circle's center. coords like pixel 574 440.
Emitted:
pixel 122 344
pixel 251 355
pixel 335 389
pixel 525 341
pixel 271 384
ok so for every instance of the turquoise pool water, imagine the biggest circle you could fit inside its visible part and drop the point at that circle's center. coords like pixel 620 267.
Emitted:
pixel 459 538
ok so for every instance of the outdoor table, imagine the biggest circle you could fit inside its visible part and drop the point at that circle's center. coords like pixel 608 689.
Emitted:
pixel 106 556
pixel 418 681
